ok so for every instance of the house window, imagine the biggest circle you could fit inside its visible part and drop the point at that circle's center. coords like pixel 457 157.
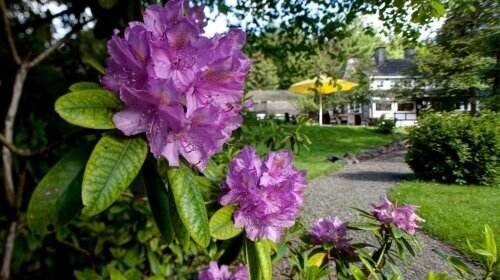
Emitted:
pixel 406 106
pixel 383 106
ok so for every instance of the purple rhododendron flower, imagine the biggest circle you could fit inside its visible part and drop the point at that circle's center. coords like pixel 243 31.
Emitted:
pixel 330 230
pixel 179 87
pixel 214 273
pixel 269 193
pixel 403 217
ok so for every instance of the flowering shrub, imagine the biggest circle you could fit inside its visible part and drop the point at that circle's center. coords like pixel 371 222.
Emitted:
pixel 269 193
pixel 180 88
pixel 327 241
pixel 222 273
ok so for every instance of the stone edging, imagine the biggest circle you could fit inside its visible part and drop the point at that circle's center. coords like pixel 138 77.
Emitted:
pixel 366 154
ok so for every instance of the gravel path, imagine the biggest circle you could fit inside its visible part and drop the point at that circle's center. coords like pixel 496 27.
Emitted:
pixel 358 185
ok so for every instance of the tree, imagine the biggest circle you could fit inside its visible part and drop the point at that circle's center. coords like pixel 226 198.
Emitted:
pixel 264 74
pixel 464 61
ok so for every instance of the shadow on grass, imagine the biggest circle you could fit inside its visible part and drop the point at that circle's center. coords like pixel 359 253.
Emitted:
pixel 377 176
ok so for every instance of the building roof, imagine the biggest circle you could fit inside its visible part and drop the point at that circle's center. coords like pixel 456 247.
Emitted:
pixel 393 67
pixel 272 95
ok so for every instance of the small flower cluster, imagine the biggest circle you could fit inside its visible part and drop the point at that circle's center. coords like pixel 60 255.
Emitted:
pixel 214 273
pixel 181 88
pixel 269 193
pixel 330 230
pixel 403 217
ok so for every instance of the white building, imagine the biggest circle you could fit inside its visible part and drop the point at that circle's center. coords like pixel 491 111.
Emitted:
pixel 386 77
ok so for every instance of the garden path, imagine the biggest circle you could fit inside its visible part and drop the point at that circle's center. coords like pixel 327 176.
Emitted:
pixel 360 184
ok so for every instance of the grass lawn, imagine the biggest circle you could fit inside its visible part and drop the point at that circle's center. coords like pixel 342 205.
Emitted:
pixel 453 212
pixel 338 140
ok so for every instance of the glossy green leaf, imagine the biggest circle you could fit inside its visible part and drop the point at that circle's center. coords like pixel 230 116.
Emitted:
pixel 90 108
pixel 459 265
pixel 158 200
pixel 112 166
pixel 252 260
pixel 189 203
pixel 264 256
pixel 316 259
pixel 57 198
pixel 84 86
pixel 491 246
pixel 357 273
pixel 180 230
pixel 221 223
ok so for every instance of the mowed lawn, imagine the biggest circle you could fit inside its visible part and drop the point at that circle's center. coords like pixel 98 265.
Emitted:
pixel 453 213
pixel 336 140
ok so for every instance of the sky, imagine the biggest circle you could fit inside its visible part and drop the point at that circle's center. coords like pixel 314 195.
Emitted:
pixel 219 23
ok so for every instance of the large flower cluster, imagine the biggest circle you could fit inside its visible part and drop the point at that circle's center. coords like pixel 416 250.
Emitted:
pixel 330 230
pixel 269 193
pixel 403 217
pixel 214 273
pixel 181 88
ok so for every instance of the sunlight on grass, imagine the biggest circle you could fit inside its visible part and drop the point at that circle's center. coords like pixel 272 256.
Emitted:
pixel 453 212
pixel 336 140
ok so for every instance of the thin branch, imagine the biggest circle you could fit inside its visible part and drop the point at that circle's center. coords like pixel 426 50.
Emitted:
pixel 9 249
pixel 8 33
pixel 49 50
pixel 56 45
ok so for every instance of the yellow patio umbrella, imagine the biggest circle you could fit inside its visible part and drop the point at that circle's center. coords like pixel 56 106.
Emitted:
pixel 323 86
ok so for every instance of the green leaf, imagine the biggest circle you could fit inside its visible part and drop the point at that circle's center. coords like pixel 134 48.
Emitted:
pixel 180 230
pixel 264 256
pixel 364 226
pixel 357 273
pixel 90 108
pixel 460 266
pixel 115 274
pixel 189 203
pixel 221 223
pixel 112 166
pixel 252 260
pixel 490 243
pixel 84 86
pixel 158 200
pixel 438 8
pixel 57 198
pixel 316 259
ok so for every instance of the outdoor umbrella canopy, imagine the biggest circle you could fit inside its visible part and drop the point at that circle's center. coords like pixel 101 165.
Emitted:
pixel 325 85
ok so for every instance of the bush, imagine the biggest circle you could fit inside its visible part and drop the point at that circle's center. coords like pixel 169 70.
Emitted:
pixel 456 148
pixel 385 126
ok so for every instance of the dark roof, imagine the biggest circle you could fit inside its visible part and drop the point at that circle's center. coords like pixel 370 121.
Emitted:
pixel 394 67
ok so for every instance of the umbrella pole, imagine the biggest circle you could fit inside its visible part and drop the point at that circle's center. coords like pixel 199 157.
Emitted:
pixel 320 110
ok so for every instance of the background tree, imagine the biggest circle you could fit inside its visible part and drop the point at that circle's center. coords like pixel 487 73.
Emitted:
pixel 463 62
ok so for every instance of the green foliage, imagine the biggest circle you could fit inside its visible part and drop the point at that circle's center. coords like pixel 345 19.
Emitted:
pixel 90 108
pixel 264 74
pixel 190 204
pixel 158 197
pixel 112 166
pixel 221 223
pixel 386 126
pixel 486 253
pixel 56 199
pixel 456 148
